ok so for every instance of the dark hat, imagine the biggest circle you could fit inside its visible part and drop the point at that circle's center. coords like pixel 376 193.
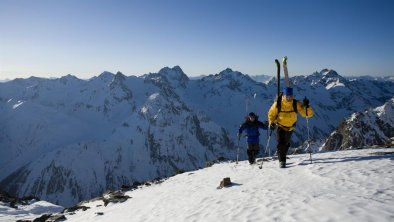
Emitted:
pixel 288 91
pixel 252 114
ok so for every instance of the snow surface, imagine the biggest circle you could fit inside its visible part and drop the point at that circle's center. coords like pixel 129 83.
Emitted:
pixel 337 85
pixel 262 78
pixel 27 212
pixel 354 185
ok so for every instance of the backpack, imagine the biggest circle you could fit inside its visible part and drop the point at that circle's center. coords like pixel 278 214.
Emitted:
pixel 279 105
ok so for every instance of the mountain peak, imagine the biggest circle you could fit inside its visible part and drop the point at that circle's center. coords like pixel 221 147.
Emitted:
pixel 386 109
pixel 106 73
pixel 331 79
pixel 119 76
pixel 329 73
pixel 228 73
pixel 68 78
pixel 175 73
pixel 118 79
pixel 227 70
pixel 178 69
pixel 107 76
pixel 231 74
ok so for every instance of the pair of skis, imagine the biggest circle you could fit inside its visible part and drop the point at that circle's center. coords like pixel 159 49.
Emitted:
pixel 277 94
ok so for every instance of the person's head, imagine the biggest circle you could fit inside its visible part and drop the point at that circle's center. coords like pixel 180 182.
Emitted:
pixel 252 116
pixel 288 93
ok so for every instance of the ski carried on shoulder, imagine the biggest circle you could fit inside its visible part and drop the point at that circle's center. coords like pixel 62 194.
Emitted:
pixel 286 72
pixel 277 77
pixel 278 92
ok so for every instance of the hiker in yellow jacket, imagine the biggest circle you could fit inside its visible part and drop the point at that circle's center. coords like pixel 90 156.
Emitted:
pixel 284 116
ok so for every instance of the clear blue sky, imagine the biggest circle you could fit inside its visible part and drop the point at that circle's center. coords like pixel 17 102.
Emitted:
pixel 87 37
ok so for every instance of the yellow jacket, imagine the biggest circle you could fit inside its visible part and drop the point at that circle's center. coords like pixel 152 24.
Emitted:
pixel 286 118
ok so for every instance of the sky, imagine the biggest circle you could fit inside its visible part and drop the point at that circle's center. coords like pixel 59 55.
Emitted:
pixel 87 37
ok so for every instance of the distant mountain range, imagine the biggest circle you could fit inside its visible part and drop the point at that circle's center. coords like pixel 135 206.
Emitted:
pixel 67 139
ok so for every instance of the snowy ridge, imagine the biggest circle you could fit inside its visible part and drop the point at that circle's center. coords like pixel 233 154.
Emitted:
pixel 67 139
pixel 371 127
pixel 352 185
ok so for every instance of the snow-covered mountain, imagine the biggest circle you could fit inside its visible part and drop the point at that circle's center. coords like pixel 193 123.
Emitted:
pixel 355 185
pixel 371 127
pixel 67 139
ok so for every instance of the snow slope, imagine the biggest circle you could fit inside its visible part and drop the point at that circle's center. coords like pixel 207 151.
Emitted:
pixel 353 185
pixel 27 212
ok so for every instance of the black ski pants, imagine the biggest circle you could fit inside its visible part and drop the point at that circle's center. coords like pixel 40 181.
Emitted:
pixel 252 151
pixel 283 138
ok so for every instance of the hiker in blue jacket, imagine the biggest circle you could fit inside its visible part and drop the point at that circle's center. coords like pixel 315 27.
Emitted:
pixel 252 126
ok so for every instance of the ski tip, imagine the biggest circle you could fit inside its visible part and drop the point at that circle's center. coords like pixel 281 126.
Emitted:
pixel 285 60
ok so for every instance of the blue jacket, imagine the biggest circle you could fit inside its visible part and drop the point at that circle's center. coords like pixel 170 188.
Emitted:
pixel 252 130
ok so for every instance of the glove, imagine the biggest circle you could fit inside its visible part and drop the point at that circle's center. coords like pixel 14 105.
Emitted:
pixel 305 102
pixel 268 125
pixel 272 126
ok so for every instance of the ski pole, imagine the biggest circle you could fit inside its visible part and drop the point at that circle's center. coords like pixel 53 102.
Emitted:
pixel 246 104
pixel 307 128
pixel 237 151
pixel 266 147
pixel 254 96
pixel 268 141
pixel 309 144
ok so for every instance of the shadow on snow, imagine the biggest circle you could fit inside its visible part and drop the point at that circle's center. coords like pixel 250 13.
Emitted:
pixel 374 156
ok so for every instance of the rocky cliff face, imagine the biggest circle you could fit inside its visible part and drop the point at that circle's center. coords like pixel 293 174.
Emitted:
pixel 371 127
